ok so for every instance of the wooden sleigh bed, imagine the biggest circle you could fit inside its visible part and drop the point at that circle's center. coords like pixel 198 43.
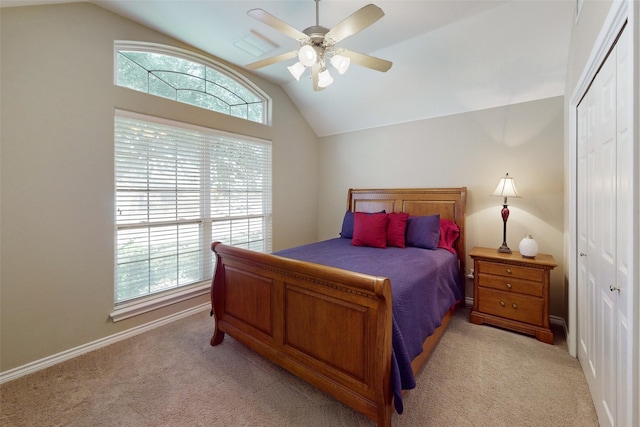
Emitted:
pixel 329 326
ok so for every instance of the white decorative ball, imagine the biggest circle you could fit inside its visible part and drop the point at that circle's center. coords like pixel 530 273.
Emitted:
pixel 528 247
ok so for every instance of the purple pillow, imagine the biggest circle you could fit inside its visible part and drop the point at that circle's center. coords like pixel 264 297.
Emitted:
pixel 423 231
pixel 347 225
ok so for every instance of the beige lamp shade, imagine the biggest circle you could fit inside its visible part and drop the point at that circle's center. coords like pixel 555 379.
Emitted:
pixel 506 188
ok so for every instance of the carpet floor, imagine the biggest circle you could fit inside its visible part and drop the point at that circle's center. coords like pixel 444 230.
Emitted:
pixel 171 376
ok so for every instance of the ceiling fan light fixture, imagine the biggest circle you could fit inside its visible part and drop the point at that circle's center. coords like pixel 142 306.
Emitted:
pixel 296 70
pixel 340 63
pixel 316 45
pixel 307 55
pixel 324 78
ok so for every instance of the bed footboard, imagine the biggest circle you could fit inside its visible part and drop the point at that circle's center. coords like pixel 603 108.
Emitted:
pixel 330 327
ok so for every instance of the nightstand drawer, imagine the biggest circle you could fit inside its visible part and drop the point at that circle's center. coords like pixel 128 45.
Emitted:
pixel 518 271
pixel 509 284
pixel 511 306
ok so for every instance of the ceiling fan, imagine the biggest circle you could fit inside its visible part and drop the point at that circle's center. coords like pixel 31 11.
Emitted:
pixel 317 45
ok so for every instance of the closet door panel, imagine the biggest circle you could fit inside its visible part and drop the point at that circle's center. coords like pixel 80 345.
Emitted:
pixel 584 331
pixel 624 237
pixel 604 175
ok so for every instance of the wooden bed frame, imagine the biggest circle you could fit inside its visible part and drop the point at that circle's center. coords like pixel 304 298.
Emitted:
pixel 328 326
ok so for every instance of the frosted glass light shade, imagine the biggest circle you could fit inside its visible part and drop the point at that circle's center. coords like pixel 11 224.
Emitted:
pixel 324 78
pixel 307 55
pixel 341 63
pixel 296 70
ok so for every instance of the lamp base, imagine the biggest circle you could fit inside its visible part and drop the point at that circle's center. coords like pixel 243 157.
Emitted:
pixel 504 249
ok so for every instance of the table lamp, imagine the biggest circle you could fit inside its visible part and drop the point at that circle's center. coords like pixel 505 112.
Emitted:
pixel 506 188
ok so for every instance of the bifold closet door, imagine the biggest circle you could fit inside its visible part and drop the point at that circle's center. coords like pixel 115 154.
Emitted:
pixel 597 234
pixel 605 167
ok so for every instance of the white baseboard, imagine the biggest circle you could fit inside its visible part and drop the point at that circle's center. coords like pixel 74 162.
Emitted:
pixel 38 365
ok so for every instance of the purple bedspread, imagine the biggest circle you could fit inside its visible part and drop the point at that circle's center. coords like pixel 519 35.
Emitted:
pixel 425 283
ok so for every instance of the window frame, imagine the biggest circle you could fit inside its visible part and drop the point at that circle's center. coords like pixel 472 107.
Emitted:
pixel 152 302
pixel 119 45
pixel 144 303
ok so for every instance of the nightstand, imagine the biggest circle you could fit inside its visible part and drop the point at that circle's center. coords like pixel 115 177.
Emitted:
pixel 512 292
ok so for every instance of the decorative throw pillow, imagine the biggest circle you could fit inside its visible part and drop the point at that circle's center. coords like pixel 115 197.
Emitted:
pixel 396 228
pixel 423 231
pixel 449 232
pixel 370 230
pixel 347 225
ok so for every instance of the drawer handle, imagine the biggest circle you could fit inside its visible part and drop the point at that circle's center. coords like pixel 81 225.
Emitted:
pixel 502 303
pixel 508 271
pixel 514 306
pixel 509 285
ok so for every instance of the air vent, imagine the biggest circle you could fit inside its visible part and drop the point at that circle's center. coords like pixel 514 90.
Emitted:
pixel 255 44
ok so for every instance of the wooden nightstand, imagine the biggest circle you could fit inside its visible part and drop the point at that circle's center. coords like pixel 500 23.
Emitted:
pixel 512 292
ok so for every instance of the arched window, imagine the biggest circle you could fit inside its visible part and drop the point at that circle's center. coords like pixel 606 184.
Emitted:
pixel 180 186
pixel 186 77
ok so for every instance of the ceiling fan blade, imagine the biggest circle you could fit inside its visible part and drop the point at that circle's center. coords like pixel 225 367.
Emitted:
pixel 272 60
pixel 366 60
pixel 272 21
pixel 357 22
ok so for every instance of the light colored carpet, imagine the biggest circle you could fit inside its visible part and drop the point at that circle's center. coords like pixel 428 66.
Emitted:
pixel 171 376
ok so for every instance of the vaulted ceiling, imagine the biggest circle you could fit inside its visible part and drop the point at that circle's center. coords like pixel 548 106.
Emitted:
pixel 448 56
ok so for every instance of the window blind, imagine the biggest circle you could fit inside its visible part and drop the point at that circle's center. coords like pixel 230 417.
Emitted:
pixel 178 188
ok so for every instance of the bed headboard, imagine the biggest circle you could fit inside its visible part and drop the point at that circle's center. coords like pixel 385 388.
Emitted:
pixel 450 203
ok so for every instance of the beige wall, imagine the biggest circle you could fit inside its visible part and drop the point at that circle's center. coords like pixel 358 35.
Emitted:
pixel 583 37
pixel 473 150
pixel 58 98
pixel 57 199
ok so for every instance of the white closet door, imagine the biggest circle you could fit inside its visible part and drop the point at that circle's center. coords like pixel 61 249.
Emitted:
pixel 585 211
pixel 605 221
pixel 602 242
pixel 625 226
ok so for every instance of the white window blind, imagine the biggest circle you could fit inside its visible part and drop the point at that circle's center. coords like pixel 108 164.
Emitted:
pixel 178 188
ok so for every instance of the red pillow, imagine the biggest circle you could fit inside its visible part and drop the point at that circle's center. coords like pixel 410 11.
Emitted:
pixel 370 230
pixel 396 228
pixel 449 232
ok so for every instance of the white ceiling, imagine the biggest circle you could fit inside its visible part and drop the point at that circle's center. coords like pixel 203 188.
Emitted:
pixel 449 56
